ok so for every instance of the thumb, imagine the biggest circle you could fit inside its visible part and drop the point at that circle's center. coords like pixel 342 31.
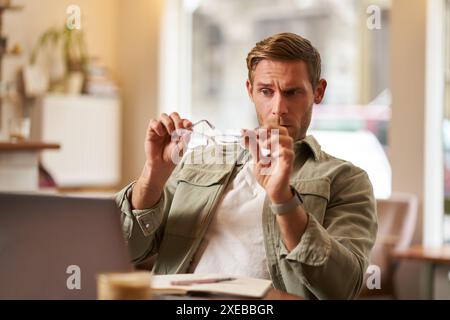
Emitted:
pixel 181 138
pixel 183 141
pixel 251 143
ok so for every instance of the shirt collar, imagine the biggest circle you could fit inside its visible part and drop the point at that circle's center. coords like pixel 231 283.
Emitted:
pixel 312 144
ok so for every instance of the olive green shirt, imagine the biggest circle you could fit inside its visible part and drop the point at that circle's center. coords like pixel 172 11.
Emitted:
pixel 332 256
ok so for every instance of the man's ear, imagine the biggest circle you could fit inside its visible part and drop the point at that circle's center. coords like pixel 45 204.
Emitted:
pixel 319 92
pixel 249 89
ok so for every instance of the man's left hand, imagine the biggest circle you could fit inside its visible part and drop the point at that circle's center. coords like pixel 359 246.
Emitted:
pixel 273 155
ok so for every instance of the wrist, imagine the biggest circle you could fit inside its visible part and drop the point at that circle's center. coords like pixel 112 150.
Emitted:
pixel 148 189
pixel 282 196
pixel 153 178
pixel 289 206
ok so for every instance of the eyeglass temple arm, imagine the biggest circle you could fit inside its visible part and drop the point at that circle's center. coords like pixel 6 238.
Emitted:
pixel 213 127
pixel 198 122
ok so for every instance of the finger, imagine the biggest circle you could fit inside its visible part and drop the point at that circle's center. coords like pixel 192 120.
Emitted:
pixel 265 169
pixel 251 143
pixel 281 141
pixel 269 132
pixel 274 142
pixel 176 120
pixel 262 133
pixel 263 136
pixel 183 143
pixel 283 131
pixel 276 129
pixel 186 123
pixel 157 127
pixel 283 153
pixel 275 146
pixel 168 123
pixel 257 139
pixel 184 131
pixel 264 143
pixel 258 167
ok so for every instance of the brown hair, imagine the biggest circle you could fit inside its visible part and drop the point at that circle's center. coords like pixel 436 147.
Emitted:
pixel 286 47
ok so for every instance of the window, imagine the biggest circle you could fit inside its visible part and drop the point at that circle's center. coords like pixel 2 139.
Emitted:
pixel 446 125
pixel 355 62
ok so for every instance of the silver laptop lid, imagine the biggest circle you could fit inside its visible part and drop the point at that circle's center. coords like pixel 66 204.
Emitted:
pixel 52 247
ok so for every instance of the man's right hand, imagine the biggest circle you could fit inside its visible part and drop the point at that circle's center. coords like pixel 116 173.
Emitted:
pixel 159 146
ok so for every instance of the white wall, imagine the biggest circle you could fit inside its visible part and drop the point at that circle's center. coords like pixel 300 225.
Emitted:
pixel 138 66
pixel 125 34
pixel 99 22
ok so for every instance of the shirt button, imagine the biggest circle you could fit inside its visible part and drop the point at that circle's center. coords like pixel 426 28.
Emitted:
pixel 147 226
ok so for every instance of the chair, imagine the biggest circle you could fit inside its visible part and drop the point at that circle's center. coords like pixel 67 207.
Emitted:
pixel 396 225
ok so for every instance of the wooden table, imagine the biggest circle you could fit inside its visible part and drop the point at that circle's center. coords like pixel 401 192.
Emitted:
pixel 431 257
pixel 274 294
pixel 19 164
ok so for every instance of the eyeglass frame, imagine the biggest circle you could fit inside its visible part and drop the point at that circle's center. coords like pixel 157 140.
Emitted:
pixel 213 138
pixel 264 152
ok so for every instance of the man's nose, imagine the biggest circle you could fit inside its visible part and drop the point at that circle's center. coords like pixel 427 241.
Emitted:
pixel 279 107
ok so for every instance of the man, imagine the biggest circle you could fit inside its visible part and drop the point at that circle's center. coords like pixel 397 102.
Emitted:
pixel 308 225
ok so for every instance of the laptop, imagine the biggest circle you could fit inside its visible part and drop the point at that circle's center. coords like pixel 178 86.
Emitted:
pixel 53 247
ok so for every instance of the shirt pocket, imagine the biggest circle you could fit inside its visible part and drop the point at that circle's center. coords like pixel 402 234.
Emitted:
pixel 315 194
pixel 193 200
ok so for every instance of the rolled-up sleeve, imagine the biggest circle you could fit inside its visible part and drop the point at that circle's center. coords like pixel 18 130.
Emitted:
pixel 140 227
pixel 143 229
pixel 331 258
pixel 314 247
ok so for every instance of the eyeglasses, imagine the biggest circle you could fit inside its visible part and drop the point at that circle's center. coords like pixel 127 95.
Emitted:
pixel 210 135
pixel 207 135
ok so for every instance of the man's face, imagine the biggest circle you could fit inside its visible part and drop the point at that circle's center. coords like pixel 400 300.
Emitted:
pixel 283 95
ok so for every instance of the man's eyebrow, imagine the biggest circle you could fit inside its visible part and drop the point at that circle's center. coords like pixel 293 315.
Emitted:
pixel 264 85
pixel 293 89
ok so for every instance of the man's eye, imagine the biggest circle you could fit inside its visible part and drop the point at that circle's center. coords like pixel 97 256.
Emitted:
pixel 292 93
pixel 266 92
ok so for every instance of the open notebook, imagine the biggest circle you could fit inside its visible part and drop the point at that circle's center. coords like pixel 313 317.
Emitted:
pixel 211 283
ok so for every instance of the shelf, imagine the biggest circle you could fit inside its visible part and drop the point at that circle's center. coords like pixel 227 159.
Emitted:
pixel 27 146
pixel 11 8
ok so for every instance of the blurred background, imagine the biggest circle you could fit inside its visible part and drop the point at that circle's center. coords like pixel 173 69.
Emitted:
pixel 80 80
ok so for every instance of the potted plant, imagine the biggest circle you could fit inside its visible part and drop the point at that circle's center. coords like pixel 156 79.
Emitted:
pixel 64 56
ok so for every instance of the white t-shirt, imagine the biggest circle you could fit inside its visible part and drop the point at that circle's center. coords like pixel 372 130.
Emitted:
pixel 234 243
